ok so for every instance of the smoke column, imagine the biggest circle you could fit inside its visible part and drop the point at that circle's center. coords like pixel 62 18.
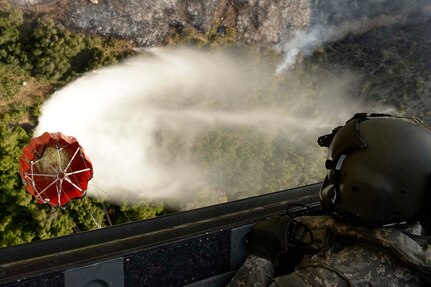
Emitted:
pixel 306 42
pixel 119 113
pixel 334 20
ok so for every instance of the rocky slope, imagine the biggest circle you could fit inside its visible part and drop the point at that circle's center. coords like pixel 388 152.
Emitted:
pixel 393 58
pixel 261 22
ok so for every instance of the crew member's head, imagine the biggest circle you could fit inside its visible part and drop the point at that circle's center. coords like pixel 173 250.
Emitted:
pixel 378 170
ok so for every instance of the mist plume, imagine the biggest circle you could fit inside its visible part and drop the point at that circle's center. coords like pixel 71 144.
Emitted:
pixel 119 113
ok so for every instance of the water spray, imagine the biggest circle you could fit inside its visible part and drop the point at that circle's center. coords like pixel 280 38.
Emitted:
pixel 149 122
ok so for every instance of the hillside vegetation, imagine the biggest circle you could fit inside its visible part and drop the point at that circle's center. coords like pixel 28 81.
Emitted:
pixel 37 57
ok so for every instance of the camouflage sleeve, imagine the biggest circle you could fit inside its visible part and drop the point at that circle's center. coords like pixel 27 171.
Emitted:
pixel 254 272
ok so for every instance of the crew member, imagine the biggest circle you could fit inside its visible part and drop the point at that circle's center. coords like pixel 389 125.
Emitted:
pixel 375 213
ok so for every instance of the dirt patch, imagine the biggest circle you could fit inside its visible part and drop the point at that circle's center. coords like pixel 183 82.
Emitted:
pixel 33 89
pixel 29 93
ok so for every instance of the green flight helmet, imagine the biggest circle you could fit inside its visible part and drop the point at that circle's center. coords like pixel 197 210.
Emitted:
pixel 378 170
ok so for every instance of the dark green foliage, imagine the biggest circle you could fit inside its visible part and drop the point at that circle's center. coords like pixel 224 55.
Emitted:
pixel 128 212
pixel 34 110
pixel 10 47
pixel 236 161
pixel 10 20
pixel 11 79
pixel 22 220
pixel 86 213
pixel 12 58
pixel 218 36
pixel 12 197
pixel 240 162
pixel 59 54
pixel 394 62
pixel 52 49
pixel 47 52
pixel 12 138
pixel 98 58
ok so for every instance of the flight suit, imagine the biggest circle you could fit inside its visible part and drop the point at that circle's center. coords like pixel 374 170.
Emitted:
pixel 347 255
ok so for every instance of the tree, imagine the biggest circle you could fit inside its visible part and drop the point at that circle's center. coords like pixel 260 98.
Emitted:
pixel 21 218
pixel 98 58
pixel 10 47
pixel 52 49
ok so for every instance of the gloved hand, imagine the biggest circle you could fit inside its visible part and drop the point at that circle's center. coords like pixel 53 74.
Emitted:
pixel 268 238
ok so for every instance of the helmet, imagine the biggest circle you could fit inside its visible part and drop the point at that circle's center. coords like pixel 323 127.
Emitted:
pixel 378 170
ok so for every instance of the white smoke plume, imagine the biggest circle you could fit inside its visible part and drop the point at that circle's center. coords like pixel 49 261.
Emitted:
pixel 304 43
pixel 116 114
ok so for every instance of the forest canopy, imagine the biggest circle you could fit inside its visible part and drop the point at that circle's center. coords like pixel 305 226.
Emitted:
pixel 40 56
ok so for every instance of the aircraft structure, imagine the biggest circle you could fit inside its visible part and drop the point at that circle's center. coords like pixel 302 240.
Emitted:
pixel 196 248
pixel 201 247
